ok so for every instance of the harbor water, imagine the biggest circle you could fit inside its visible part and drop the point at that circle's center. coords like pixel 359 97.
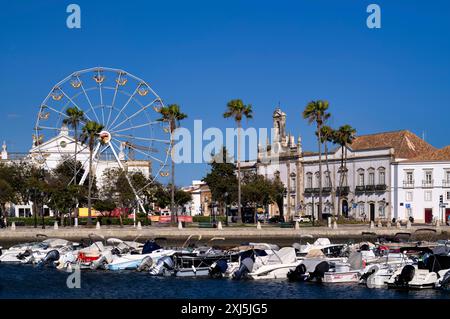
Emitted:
pixel 28 282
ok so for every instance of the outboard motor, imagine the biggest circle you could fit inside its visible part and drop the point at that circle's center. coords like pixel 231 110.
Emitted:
pixel 218 268
pixel 145 264
pixel 245 267
pixel 162 267
pixel 298 274
pixel 320 270
pixel 99 263
pixel 405 276
pixel 52 256
pixel 445 282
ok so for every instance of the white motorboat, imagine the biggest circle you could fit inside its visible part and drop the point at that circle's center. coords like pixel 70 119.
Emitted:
pixel 277 265
pixel 34 252
pixel 425 274
pixel 376 274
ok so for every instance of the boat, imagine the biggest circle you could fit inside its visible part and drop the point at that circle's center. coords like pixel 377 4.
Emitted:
pixel 34 252
pixel 423 274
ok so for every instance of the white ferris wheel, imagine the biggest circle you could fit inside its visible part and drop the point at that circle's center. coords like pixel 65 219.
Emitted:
pixel 127 108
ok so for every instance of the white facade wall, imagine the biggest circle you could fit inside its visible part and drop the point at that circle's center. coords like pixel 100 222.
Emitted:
pixel 359 203
pixel 415 197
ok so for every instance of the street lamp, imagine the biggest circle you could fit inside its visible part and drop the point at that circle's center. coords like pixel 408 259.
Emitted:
pixel 226 208
pixel 43 211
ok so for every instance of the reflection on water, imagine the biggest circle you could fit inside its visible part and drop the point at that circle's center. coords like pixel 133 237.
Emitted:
pixel 25 281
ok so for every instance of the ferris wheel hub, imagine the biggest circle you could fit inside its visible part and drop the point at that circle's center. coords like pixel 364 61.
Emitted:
pixel 105 137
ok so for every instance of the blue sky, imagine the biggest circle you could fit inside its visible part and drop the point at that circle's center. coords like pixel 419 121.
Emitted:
pixel 200 54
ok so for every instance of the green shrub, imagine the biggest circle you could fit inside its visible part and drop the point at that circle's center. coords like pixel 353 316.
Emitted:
pixel 207 219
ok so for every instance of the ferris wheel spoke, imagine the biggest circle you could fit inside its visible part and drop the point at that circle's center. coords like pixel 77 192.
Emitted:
pixel 75 104
pixel 88 99
pixel 101 103
pixel 150 139
pixel 126 104
pixel 145 107
pixel 143 153
pixel 41 127
pixel 134 127
pixel 114 99
pixel 61 113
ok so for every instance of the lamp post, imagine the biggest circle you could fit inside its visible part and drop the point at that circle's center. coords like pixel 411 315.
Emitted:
pixel 226 208
pixel 43 211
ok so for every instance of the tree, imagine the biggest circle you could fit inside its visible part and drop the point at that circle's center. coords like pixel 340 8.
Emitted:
pixel 258 191
pixel 221 179
pixel 75 116
pixel 237 110
pixel 172 115
pixel 344 136
pixel 316 112
pixel 90 132
pixel 328 136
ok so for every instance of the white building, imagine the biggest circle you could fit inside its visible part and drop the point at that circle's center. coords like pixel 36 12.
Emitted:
pixel 51 153
pixel 418 185
pixel 364 192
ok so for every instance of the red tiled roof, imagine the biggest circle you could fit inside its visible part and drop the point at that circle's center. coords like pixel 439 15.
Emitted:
pixel 442 154
pixel 405 143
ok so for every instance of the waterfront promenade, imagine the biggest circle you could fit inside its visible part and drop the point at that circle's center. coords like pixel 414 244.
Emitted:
pixel 236 233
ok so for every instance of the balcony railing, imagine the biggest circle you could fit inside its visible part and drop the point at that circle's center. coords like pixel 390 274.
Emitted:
pixel 427 184
pixel 381 187
pixel 342 191
pixel 446 183
pixel 326 190
pixel 370 188
pixel 315 190
pixel 360 189
pixel 408 184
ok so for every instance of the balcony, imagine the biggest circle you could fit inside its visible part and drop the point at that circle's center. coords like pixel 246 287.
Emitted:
pixel 381 187
pixel 427 184
pixel 360 189
pixel 326 190
pixel 342 191
pixel 370 188
pixel 408 184
pixel 446 183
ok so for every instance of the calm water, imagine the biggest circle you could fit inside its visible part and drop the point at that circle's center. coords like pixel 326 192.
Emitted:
pixel 18 281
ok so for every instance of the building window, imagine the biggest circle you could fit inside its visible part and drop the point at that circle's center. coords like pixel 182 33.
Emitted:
pixel 309 180
pixel 381 210
pixel 371 178
pixel 428 177
pixel 447 176
pixel 317 179
pixel 428 196
pixel 409 196
pixel 409 212
pixel 361 179
pixel 327 179
pixel 409 177
pixel 361 210
pixel 448 196
pixel 382 178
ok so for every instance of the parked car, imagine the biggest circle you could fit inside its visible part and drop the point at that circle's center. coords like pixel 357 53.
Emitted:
pixel 301 219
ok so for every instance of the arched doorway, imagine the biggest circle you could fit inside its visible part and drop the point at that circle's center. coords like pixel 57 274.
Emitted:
pixel 344 208
pixel 372 212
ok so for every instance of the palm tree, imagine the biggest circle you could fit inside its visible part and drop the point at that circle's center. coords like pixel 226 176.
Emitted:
pixel 237 109
pixel 316 112
pixel 90 131
pixel 75 116
pixel 173 115
pixel 328 136
pixel 344 136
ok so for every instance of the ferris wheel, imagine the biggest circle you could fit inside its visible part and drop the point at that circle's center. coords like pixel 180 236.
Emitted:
pixel 127 108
